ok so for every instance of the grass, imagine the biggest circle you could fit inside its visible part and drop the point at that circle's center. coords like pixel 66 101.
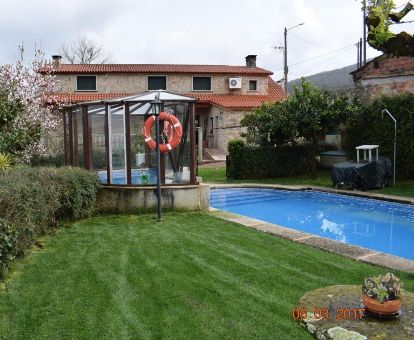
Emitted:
pixel 218 175
pixel 190 276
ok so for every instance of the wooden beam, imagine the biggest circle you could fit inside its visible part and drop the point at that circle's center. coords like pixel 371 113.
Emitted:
pixel 87 142
pixel 71 136
pixel 107 141
pixel 192 144
pixel 65 137
pixel 75 146
pixel 127 117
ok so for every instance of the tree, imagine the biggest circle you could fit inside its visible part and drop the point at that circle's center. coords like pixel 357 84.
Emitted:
pixel 306 115
pixel 27 105
pixel 315 112
pixel 84 51
pixel 270 125
pixel 379 18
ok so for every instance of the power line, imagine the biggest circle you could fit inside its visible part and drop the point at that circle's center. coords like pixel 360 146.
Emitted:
pixel 319 56
pixel 322 55
pixel 311 42
pixel 346 54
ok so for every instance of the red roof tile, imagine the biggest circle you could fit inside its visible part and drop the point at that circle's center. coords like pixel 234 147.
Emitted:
pixel 159 68
pixel 78 97
pixel 226 101
pixel 243 102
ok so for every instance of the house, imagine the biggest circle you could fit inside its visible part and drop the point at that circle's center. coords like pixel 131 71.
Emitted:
pixel 385 75
pixel 225 93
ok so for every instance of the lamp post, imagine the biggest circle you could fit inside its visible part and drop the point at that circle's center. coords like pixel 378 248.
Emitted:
pixel 156 108
pixel 395 139
pixel 285 68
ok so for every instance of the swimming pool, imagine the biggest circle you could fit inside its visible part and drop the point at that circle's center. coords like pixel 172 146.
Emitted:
pixel 380 225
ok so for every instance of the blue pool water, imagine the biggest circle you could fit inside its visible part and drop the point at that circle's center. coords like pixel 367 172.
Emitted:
pixel 119 176
pixel 384 226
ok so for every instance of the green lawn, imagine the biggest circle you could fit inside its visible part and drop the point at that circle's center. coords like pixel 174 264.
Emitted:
pixel 218 175
pixel 190 276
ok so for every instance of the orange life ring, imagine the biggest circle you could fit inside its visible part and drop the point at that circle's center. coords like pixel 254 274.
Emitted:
pixel 174 138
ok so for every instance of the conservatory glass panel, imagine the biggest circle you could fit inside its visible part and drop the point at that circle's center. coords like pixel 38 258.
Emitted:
pixel 143 159
pixel 97 124
pixel 67 137
pixel 117 144
pixel 77 138
pixel 177 162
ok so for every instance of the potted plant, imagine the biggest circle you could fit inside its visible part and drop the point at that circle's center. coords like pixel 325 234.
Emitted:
pixel 382 294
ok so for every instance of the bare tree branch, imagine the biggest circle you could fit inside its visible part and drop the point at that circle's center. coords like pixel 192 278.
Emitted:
pixel 84 51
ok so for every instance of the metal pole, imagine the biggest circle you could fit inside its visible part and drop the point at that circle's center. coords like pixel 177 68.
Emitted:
pixel 395 148
pixel 360 52
pixel 395 139
pixel 285 68
pixel 157 138
pixel 358 66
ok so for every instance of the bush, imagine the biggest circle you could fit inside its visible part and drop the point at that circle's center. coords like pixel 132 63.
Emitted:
pixel 7 245
pixel 56 160
pixel 370 128
pixel 35 200
pixel 254 162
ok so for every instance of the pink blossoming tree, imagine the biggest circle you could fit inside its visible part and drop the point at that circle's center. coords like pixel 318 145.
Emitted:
pixel 32 88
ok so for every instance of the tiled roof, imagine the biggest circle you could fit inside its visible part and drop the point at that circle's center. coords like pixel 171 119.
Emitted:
pixel 226 101
pixel 158 68
pixel 78 97
pixel 243 101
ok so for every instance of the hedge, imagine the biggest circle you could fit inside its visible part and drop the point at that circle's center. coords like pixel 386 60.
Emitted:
pixel 371 127
pixel 58 159
pixel 254 162
pixel 34 201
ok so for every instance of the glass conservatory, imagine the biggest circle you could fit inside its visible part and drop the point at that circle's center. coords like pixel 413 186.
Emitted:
pixel 114 138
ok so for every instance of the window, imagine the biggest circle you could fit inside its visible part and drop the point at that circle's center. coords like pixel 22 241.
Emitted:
pixel 86 83
pixel 252 85
pixel 201 83
pixel 157 82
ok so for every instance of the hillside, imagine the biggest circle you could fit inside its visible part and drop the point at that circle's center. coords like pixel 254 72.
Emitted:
pixel 329 80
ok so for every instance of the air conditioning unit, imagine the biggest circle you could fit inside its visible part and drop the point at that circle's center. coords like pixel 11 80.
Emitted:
pixel 235 83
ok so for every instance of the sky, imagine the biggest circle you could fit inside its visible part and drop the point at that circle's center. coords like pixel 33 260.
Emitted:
pixel 193 31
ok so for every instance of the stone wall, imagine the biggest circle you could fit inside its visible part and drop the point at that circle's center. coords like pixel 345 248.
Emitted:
pixel 112 199
pixel 228 126
pixel 135 83
pixel 385 76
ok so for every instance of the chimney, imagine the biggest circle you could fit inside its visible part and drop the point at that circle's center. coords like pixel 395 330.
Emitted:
pixel 251 60
pixel 57 60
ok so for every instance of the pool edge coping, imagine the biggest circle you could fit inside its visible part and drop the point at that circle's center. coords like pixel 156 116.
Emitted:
pixel 354 252
pixel 372 195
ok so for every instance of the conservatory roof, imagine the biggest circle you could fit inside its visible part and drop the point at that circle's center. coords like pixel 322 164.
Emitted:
pixel 145 97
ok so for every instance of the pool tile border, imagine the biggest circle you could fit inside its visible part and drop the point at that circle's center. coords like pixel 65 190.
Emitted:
pixel 364 194
pixel 350 251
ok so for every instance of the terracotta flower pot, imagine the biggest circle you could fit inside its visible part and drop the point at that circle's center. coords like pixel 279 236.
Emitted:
pixel 386 308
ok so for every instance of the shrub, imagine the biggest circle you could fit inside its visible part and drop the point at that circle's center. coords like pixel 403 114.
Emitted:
pixel 7 243
pixel 254 162
pixel 35 200
pixel 77 189
pixel 56 160
pixel 371 128
pixel 5 161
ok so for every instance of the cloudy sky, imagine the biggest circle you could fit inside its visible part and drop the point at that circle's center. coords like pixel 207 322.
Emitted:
pixel 193 31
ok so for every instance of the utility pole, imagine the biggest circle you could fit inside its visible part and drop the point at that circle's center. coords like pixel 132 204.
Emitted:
pixel 285 67
pixel 364 12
